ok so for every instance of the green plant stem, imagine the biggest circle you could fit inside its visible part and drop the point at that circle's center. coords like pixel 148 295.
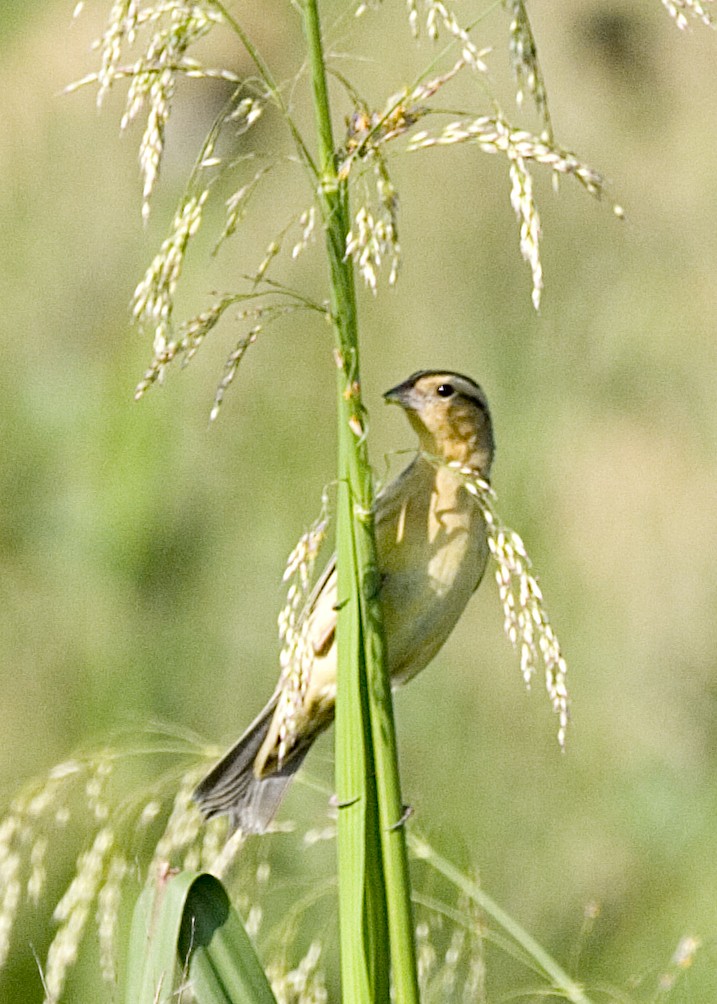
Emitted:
pixel 374 887
pixel 268 78
pixel 561 982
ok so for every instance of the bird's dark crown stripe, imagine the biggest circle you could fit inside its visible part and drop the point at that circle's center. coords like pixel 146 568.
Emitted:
pixel 449 375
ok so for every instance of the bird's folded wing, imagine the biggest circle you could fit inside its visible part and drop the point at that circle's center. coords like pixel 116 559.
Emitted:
pixel 319 615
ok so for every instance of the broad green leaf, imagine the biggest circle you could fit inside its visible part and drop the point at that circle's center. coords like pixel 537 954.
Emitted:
pixel 222 965
pixel 186 923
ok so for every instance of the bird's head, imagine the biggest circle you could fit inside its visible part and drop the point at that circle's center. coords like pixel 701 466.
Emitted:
pixel 450 414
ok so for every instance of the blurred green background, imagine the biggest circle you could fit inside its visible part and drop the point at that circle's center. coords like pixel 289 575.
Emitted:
pixel 142 550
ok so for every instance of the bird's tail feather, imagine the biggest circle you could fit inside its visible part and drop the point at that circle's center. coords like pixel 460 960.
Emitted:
pixel 232 787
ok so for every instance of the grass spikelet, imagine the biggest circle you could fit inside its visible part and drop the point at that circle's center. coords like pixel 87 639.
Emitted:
pixel 526 620
pixel 153 299
pixel 371 240
pixel 425 955
pixel 304 984
pixel 231 368
pixel 10 894
pixel 307 222
pixel 176 26
pixel 524 57
pixel 412 11
pixel 238 203
pixel 680 10
pixel 182 830
pixel 521 199
pixel 440 16
pixel 109 900
pixel 296 652
pixel 38 869
pixel 494 135
pixel 72 912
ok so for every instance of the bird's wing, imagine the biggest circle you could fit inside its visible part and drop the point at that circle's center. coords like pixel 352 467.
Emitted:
pixel 319 614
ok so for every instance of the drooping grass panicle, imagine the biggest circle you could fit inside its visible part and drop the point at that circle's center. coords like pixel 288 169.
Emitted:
pixel 523 203
pixel 109 900
pixel 681 10
pixel 262 316
pixel 368 130
pixel 73 911
pixel 171 28
pixel 190 336
pixel 297 653
pixel 304 983
pixel 153 300
pixel 231 368
pixel 24 841
pixel 439 16
pixel 238 203
pixel 526 622
pixel 373 238
pixel 493 134
pixel 117 828
pixel 526 67
pixel 121 30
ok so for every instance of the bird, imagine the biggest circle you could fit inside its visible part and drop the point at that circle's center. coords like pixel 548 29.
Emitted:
pixel 432 551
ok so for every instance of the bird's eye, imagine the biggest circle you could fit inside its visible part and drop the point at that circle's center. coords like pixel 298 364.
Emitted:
pixel 445 390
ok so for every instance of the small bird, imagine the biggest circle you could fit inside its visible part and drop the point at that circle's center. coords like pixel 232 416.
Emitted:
pixel 432 553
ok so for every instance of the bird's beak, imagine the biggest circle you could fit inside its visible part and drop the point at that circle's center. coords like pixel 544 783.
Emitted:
pixel 401 394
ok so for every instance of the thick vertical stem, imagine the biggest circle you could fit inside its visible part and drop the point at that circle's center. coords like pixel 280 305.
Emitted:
pixel 374 889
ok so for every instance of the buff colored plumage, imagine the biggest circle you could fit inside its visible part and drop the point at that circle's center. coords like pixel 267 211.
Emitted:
pixel 432 553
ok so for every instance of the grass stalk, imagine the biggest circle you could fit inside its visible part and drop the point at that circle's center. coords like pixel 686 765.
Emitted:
pixel 562 984
pixel 375 910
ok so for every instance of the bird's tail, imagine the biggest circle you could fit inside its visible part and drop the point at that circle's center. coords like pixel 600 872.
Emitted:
pixel 233 788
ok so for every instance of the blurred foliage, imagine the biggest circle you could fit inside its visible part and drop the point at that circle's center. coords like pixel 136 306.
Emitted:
pixel 142 551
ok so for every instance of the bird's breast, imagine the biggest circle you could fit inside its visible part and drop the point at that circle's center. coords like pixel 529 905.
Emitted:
pixel 432 552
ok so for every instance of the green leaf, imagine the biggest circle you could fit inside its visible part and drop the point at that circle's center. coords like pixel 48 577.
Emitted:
pixel 223 966
pixel 187 920
pixel 156 921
